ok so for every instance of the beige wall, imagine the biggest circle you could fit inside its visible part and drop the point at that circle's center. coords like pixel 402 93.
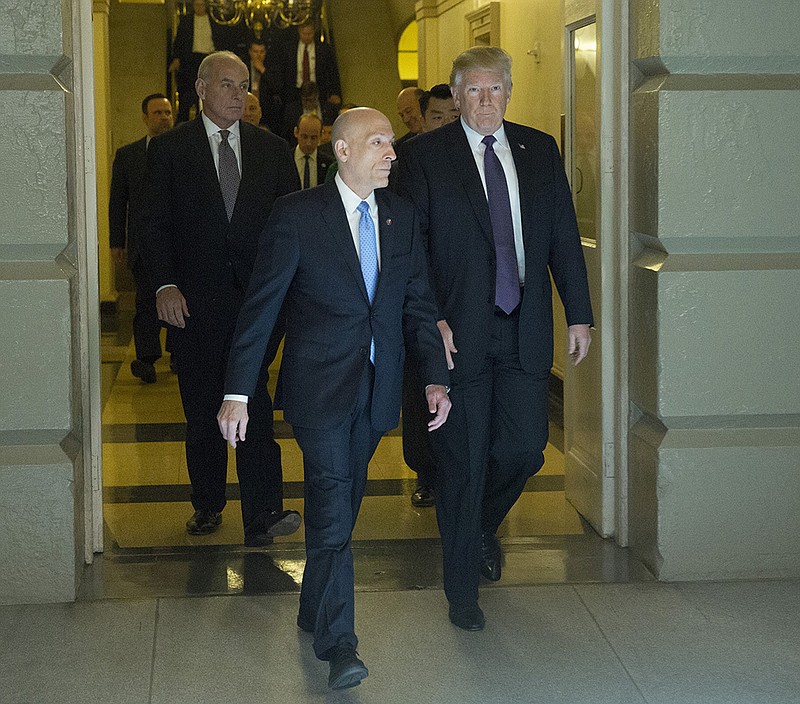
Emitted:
pixel 42 300
pixel 715 450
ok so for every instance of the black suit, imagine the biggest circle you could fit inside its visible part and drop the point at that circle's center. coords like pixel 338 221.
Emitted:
pixel 326 72
pixel 324 160
pixel 337 402
pixel 223 38
pixel 503 361
pixel 189 242
pixel 123 213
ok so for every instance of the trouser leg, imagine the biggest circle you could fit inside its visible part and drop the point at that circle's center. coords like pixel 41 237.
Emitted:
pixel 518 433
pixel 461 446
pixel 146 325
pixel 335 464
pixel 417 445
pixel 201 368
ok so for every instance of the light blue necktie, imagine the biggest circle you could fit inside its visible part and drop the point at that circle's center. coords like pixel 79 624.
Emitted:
pixel 368 251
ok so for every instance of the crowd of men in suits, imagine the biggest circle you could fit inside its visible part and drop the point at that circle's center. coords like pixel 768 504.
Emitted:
pixel 427 286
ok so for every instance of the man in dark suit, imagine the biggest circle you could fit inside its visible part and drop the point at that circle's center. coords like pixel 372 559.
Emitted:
pixel 497 212
pixel 123 210
pixel 409 111
pixel 311 162
pixel 310 61
pixel 197 36
pixel 210 187
pixel 342 367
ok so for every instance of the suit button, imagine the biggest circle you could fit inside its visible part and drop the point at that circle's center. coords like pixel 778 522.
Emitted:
pixel 372 316
pixel 363 351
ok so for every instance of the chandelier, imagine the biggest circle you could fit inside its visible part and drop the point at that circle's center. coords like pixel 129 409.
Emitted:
pixel 261 14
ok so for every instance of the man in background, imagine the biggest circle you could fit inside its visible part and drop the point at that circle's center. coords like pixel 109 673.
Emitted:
pixel 210 186
pixel 409 112
pixel 438 107
pixel 311 164
pixel 124 207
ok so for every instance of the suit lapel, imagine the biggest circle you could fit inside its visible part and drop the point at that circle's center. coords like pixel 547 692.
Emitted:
pixel 249 171
pixel 205 170
pixel 339 227
pixel 386 233
pixel 522 154
pixel 463 162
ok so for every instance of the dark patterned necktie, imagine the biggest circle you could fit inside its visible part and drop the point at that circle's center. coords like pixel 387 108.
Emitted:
pixel 306 173
pixel 228 173
pixel 507 293
pixel 306 74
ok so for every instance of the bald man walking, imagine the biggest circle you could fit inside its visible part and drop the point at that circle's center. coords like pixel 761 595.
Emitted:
pixel 347 260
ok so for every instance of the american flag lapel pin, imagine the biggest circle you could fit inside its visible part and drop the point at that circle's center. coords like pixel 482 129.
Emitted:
pixel 388 221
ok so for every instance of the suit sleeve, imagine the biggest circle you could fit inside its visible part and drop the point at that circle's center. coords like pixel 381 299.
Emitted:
pixel 156 216
pixel 290 179
pixel 566 261
pixel 275 266
pixel 419 318
pixel 118 202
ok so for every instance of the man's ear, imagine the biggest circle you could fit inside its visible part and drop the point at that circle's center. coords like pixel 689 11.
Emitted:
pixel 341 150
pixel 296 132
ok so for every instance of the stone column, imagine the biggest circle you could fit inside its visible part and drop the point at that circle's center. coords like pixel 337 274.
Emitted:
pixel 714 314
pixel 43 303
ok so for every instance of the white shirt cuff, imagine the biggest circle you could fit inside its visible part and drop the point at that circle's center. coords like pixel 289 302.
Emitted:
pixel 235 397
pixel 161 288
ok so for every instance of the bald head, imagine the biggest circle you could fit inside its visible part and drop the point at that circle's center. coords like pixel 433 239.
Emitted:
pixel 362 141
pixel 408 109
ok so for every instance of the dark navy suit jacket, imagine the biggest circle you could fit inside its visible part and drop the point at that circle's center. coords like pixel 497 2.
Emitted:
pixel 308 258
pixel 438 173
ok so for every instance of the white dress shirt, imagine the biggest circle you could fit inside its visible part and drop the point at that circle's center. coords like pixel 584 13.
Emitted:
pixel 350 201
pixel 312 62
pixel 214 140
pixel 506 158
pixel 300 163
pixel 202 41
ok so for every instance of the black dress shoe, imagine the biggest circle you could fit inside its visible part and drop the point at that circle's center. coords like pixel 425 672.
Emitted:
pixel 490 556
pixel 144 371
pixel 275 523
pixel 423 497
pixel 346 669
pixel 470 618
pixel 258 540
pixel 203 522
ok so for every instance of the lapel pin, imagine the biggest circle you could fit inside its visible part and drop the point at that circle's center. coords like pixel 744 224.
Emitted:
pixel 388 221
pixel 522 146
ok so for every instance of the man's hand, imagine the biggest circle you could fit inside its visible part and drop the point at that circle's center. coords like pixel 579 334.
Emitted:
pixel 449 346
pixel 232 419
pixel 171 306
pixel 118 255
pixel 578 340
pixel 438 403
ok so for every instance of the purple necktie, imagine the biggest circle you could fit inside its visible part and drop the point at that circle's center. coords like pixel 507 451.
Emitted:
pixel 507 293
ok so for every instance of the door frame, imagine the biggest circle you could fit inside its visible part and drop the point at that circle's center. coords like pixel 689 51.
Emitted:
pixel 612 17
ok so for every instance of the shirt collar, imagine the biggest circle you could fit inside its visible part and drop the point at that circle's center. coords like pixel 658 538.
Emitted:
pixel 352 200
pixel 475 138
pixel 299 154
pixel 212 128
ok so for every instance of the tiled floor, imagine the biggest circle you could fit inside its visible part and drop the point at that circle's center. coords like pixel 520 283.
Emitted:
pixel 146 491
pixel 168 619
pixel 646 643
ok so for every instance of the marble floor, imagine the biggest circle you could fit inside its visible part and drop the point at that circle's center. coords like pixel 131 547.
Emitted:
pixel 167 619
pixel 146 503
